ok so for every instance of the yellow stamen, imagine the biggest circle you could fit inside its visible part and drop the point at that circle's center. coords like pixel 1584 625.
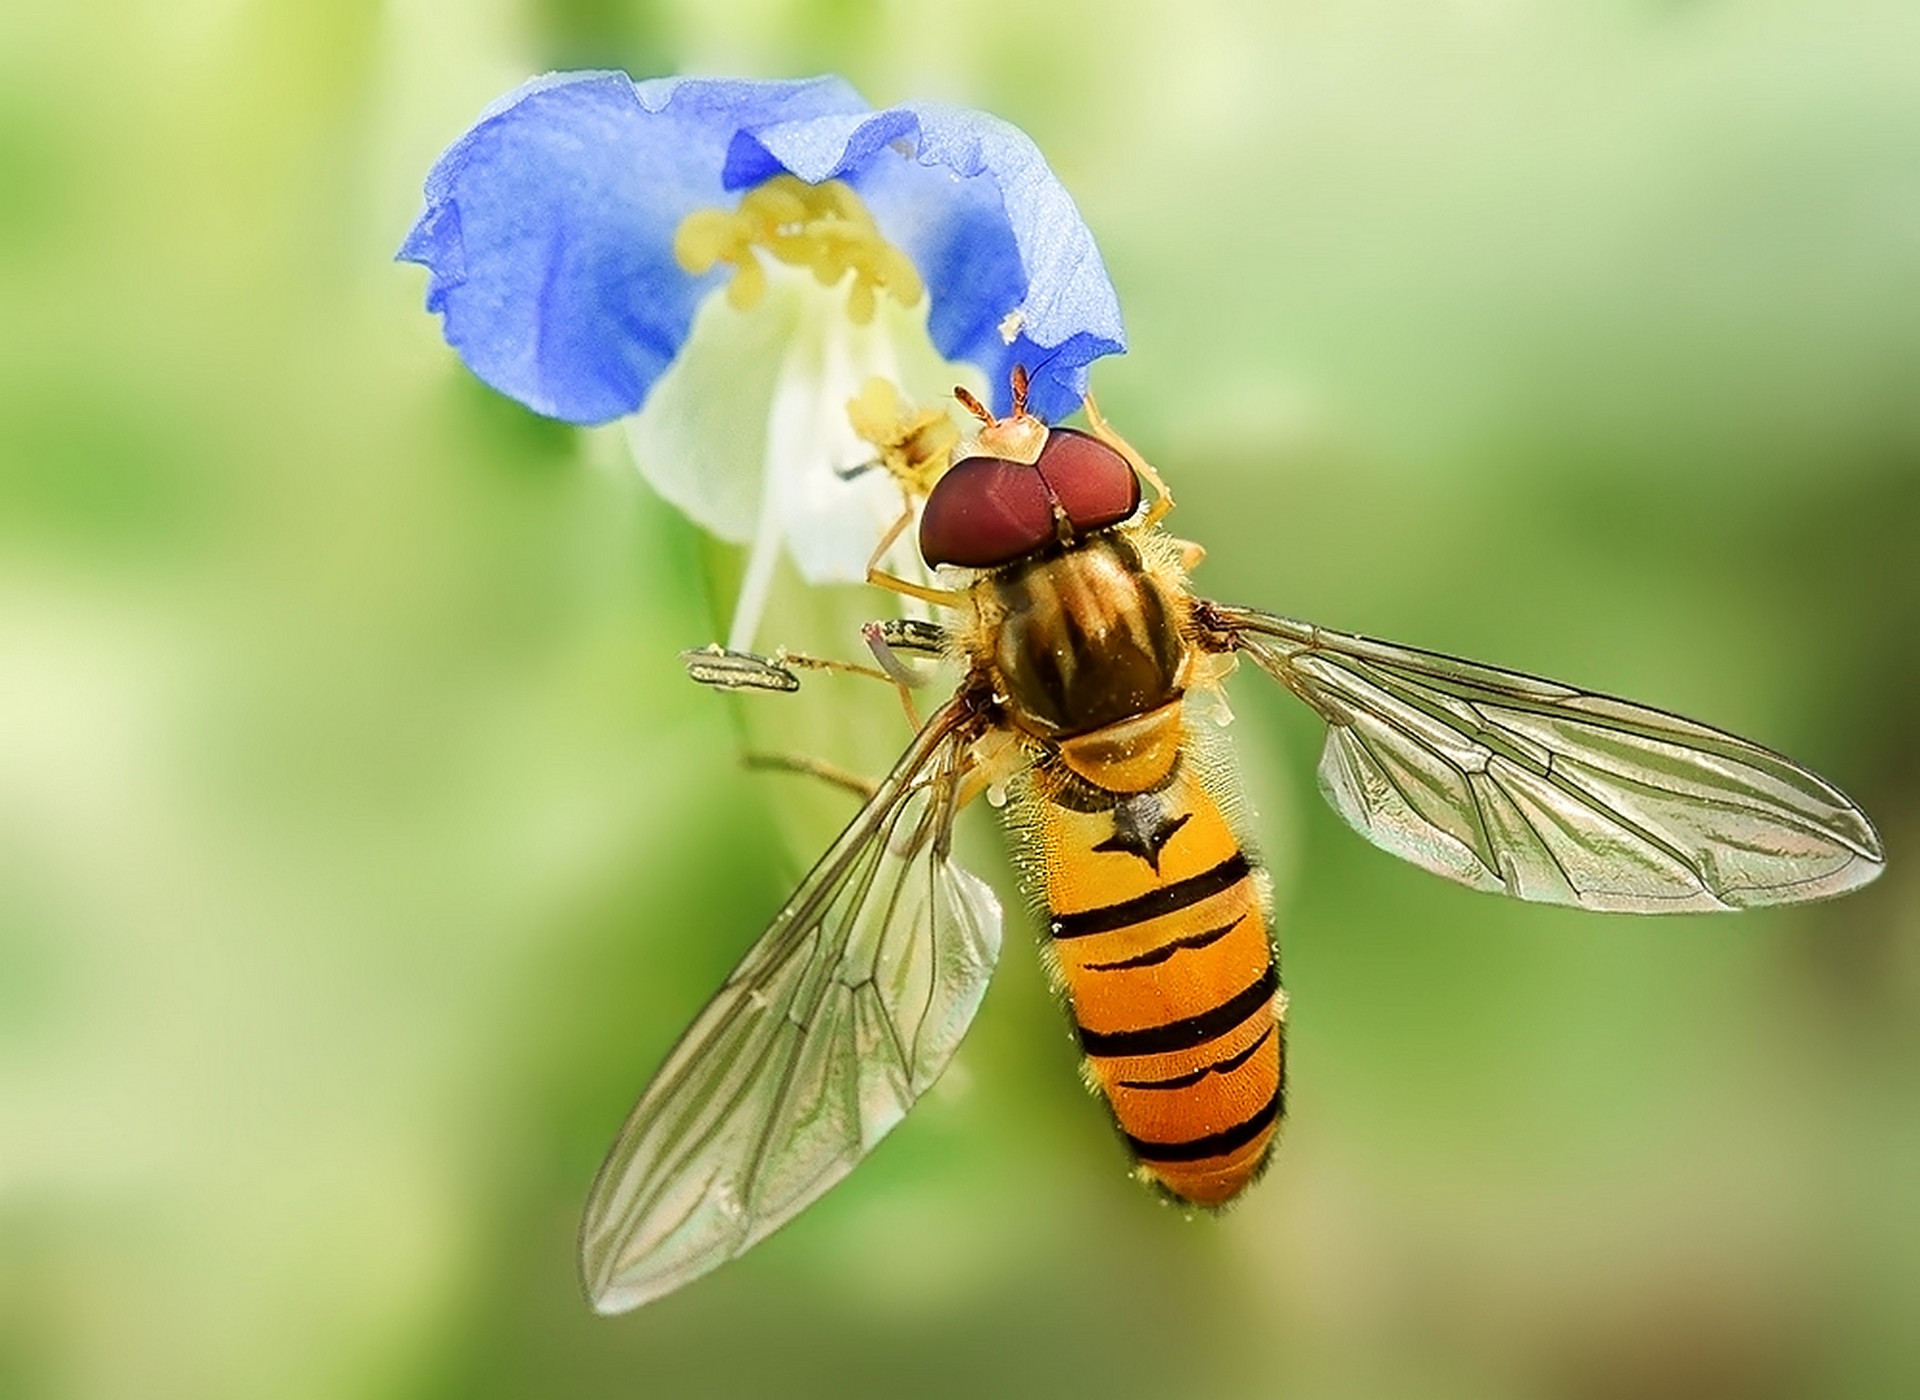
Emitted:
pixel 824 228
pixel 914 443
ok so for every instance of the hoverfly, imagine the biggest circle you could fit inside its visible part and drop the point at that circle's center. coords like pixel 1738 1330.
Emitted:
pixel 1083 652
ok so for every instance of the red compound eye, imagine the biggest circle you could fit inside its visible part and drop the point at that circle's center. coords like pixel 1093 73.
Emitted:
pixel 988 511
pixel 984 512
pixel 1092 482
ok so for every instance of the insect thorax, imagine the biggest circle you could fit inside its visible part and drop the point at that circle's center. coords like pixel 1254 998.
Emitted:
pixel 1082 638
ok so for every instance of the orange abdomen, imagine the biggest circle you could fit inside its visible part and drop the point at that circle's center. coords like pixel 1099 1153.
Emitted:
pixel 1160 926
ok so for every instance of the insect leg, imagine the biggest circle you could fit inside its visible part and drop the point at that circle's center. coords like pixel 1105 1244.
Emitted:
pixel 813 768
pixel 905 679
pixel 913 636
pixel 802 661
pixel 944 597
pixel 880 578
pixel 737 670
pixel 745 670
pixel 1102 429
pixel 742 670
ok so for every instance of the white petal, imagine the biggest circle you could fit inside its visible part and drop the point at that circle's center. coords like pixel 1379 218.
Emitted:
pixel 701 439
pixel 748 433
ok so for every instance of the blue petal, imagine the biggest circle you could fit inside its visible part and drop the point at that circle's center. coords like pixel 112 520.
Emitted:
pixel 548 228
pixel 991 229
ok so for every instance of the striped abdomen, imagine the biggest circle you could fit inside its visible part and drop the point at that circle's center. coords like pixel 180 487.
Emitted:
pixel 1159 924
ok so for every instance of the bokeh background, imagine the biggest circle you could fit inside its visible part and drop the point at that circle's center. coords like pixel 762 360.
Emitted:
pixel 362 845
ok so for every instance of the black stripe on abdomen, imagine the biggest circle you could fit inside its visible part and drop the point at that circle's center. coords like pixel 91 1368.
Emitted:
pixel 1187 1081
pixel 1213 1144
pixel 1154 957
pixel 1167 899
pixel 1187 1033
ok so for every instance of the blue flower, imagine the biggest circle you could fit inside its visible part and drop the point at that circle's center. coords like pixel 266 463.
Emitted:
pixel 733 261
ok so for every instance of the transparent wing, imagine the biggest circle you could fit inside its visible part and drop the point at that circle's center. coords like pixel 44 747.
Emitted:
pixel 1527 787
pixel 842 1015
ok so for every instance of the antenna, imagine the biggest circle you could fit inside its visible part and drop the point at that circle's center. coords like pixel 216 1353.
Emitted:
pixel 974 406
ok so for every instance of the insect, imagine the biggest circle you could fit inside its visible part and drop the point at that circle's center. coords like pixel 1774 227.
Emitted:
pixel 1086 660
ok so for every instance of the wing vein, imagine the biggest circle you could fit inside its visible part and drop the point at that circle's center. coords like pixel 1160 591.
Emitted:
pixel 1602 802
pixel 844 1011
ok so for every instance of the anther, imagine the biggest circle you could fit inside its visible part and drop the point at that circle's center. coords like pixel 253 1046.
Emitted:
pixel 824 228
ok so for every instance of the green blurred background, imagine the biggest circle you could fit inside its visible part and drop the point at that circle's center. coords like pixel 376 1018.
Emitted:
pixel 362 845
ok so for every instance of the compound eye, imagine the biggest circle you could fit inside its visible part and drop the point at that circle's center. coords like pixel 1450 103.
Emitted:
pixel 986 511
pixel 1094 484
